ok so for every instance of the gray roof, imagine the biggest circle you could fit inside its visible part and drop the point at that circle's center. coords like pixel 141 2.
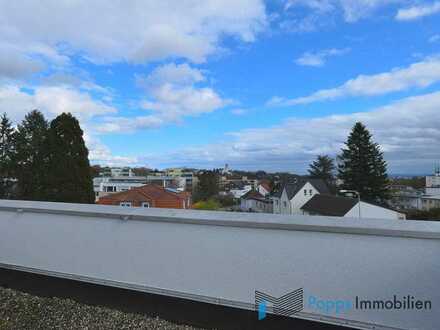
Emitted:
pixel 293 188
pixel 329 205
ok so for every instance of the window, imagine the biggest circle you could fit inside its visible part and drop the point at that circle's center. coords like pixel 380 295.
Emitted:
pixel 311 192
pixel 285 204
pixel 125 204
pixel 145 204
pixel 305 192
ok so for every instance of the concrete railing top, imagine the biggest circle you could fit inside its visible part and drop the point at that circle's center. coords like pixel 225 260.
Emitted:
pixel 363 226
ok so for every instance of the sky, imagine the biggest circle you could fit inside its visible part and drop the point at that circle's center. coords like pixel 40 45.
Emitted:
pixel 260 85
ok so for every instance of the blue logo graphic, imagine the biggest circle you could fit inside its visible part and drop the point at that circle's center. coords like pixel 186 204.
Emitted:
pixel 262 307
pixel 286 305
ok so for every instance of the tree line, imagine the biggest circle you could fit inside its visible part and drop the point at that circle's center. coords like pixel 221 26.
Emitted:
pixel 44 161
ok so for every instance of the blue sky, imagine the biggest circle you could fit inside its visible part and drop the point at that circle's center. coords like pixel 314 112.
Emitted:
pixel 256 84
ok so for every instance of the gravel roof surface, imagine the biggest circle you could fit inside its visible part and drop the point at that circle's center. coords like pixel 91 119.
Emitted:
pixel 20 310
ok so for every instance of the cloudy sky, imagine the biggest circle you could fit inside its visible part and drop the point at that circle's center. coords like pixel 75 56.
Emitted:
pixel 256 84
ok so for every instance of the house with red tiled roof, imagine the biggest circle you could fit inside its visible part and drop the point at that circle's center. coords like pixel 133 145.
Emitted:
pixel 150 195
pixel 264 188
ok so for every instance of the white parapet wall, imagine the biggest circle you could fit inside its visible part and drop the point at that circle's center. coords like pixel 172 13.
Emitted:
pixel 224 257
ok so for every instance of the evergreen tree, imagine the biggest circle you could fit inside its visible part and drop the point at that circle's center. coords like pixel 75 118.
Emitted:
pixel 362 167
pixel 6 152
pixel 323 168
pixel 207 186
pixel 30 157
pixel 69 178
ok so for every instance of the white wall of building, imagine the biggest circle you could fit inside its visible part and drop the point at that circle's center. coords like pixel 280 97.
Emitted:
pixel 283 205
pixel 433 181
pixel 238 193
pixel 430 202
pixel 374 211
pixel 262 190
pixel 302 197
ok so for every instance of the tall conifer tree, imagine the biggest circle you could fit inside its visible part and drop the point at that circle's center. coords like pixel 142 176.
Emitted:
pixel 69 177
pixel 362 167
pixel 323 168
pixel 30 157
pixel 6 152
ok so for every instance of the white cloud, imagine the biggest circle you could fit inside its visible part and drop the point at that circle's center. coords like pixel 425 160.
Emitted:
pixel 171 73
pixel 419 11
pixel 318 59
pixel 417 75
pixel 358 9
pixel 52 101
pixel 129 124
pixel 101 154
pixel 352 10
pixel 15 63
pixel 136 31
pixel 172 94
pixel 173 102
pixel 239 111
pixel 434 38
pixel 408 132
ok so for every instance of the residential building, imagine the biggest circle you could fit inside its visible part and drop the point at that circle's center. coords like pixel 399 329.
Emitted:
pixel 293 196
pixel 108 185
pixel 187 177
pixel 264 188
pixel 329 205
pixel 240 191
pixel 253 201
pixel 409 198
pixel 149 195
pixel 228 182
pixel 167 181
pixel 116 172
pixel 406 197
pixel 432 185
pixel 429 202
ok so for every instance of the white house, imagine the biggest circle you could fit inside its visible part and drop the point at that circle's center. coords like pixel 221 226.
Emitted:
pixel 253 201
pixel 108 185
pixel 432 185
pixel 238 193
pixel 293 196
pixel 337 206
pixel 263 188
pixel 430 202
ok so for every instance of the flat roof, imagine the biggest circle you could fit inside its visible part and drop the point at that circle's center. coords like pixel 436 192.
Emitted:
pixel 363 226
